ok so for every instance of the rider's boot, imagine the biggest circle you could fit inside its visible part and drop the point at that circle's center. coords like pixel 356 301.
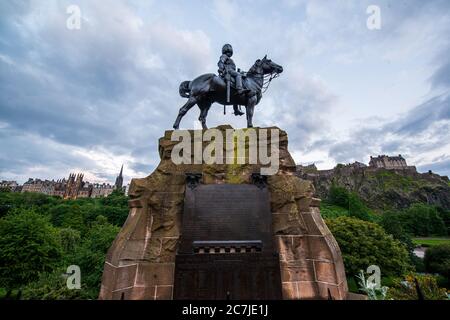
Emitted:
pixel 237 112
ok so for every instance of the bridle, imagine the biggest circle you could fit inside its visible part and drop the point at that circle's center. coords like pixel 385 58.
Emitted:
pixel 267 79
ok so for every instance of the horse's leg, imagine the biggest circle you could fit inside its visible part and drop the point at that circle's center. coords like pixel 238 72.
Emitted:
pixel 183 110
pixel 204 108
pixel 250 107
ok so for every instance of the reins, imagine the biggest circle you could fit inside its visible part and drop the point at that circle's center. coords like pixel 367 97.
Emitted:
pixel 267 79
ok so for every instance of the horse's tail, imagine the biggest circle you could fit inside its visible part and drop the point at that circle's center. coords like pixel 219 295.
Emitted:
pixel 184 89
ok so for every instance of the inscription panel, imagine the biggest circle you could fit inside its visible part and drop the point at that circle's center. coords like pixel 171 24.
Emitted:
pixel 226 213
pixel 226 249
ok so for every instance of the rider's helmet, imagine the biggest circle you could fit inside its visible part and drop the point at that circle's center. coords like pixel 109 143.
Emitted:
pixel 227 48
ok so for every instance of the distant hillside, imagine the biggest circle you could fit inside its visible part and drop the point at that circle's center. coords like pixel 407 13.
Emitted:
pixel 381 188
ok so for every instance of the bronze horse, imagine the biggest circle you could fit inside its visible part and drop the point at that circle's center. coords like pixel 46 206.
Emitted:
pixel 209 88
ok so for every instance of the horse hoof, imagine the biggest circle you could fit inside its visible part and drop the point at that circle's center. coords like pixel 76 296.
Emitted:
pixel 175 127
pixel 250 126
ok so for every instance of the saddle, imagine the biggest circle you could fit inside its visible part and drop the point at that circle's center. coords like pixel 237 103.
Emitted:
pixel 232 80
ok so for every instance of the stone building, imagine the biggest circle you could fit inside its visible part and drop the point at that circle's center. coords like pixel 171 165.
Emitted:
pixel 388 162
pixel 37 185
pixel 101 190
pixel 11 185
pixel 72 188
pixel 75 185
pixel 59 188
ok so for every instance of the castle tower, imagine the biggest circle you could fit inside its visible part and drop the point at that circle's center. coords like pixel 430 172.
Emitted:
pixel 70 186
pixel 119 180
pixel 74 184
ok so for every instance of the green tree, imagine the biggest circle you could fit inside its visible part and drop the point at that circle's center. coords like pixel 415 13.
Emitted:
pixel 29 245
pixel 445 215
pixel 437 260
pixel 69 239
pixel 90 255
pixel 393 222
pixel 116 199
pixel 338 196
pixel 53 286
pixel 356 208
pixel 424 220
pixel 365 243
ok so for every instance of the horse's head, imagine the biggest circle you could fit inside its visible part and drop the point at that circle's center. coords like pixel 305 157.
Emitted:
pixel 266 66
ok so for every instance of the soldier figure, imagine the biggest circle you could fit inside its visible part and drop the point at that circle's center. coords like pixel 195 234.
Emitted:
pixel 227 67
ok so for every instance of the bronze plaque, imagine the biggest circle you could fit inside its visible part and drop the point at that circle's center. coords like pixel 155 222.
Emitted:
pixel 226 248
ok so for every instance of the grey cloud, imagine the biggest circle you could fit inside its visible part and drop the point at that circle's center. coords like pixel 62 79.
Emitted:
pixel 421 117
pixel 441 78
pixel 406 135
pixel 114 83
pixel 442 167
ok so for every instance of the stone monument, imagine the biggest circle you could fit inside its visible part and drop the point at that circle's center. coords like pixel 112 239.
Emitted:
pixel 223 231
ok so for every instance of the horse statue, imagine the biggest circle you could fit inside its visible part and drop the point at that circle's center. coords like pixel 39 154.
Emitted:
pixel 209 88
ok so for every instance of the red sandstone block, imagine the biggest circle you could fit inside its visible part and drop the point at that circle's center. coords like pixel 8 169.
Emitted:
pixel 150 274
pixel 334 291
pixel 307 290
pixel 300 270
pixel 325 272
pixel 318 248
pixel 289 291
pixel 311 224
pixel 164 293
pixel 125 276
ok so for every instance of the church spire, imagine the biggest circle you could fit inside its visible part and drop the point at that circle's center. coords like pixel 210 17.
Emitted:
pixel 119 180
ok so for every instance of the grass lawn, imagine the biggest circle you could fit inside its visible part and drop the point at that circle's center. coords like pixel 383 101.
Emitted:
pixel 430 241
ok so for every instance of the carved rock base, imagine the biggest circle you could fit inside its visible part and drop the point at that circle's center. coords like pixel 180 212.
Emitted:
pixel 141 261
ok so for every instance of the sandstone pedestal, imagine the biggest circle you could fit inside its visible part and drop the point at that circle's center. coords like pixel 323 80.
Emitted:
pixel 141 261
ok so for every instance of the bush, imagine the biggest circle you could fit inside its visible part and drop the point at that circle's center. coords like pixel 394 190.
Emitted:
pixel 424 220
pixel 338 196
pixel 405 289
pixel 418 220
pixel 328 210
pixel 29 245
pixel 357 209
pixel 437 260
pixel 69 239
pixel 364 243
pixel 350 201
pixel 393 223
pixel 52 286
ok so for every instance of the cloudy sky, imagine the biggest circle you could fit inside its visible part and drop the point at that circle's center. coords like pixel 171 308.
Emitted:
pixel 91 99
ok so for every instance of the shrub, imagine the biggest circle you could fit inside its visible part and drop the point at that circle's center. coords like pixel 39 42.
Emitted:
pixel 424 220
pixel 357 209
pixel 393 223
pixel 365 243
pixel 338 196
pixel 405 289
pixel 350 201
pixel 437 260
pixel 52 286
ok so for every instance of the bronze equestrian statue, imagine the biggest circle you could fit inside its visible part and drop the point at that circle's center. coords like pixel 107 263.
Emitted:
pixel 231 87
